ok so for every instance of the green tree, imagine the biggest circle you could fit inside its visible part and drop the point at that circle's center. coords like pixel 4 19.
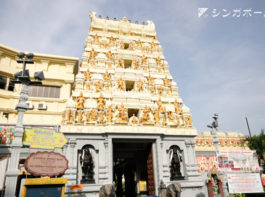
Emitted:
pixel 257 142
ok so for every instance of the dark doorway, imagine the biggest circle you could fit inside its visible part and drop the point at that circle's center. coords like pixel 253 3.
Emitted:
pixel 133 170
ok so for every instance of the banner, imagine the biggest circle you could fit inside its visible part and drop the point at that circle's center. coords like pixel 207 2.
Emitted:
pixel 238 161
pixel 6 135
pixel 43 138
pixel 244 183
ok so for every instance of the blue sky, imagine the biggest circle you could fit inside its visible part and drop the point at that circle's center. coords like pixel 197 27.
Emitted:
pixel 217 62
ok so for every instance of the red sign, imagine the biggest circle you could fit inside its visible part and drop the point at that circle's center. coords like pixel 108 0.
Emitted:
pixel 76 187
pixel 46 164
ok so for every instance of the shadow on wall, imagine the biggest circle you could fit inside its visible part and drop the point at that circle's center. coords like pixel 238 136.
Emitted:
pixel 201 194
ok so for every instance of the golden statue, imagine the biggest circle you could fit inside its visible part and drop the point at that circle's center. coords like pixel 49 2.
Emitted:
pixel 161 109
pixel 150 81
pixel 177 107
pixel 96 39
pixel 170 116
pixel 80 101
pixel 121 84
pixel 101 102
pixel 111 40
pixel 121 45
pixel 152 45
pixel 92 54
pixel 80 116
pixel 109 114
pixel 134 120
pixel 140 86
pixel 122 115
pixel 166 82
pixel 120 64
pixel 158 61
pixel 87 116
pixel 144 59
pixel 188 121
pixel 109 65
pixel 87 86
pixel 106 76
pixel 88 76
pixel 107 86
pixel 98 86
pixel 136 64
pixel 68 115
pixel 160 90
pixel 101 117
pixel 164 121
pixel 94 115
pixel 139 44
pixel 145 117
pixel 109 55
pixel 92 63
pixel 131 46
pixel 156 116
pixel 152 90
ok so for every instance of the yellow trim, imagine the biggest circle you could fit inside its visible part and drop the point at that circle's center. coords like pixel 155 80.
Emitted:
pixel 44 181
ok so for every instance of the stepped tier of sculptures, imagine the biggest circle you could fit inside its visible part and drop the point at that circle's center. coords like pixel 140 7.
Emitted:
pixel 124 79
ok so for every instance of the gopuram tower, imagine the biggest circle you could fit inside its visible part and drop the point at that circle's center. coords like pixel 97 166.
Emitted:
pixel 125 121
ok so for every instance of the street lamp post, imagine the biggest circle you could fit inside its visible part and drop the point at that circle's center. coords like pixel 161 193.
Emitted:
pixel 23 78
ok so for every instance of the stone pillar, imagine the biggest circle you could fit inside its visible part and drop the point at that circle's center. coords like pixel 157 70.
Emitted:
pixel 70 152
pixel 12 171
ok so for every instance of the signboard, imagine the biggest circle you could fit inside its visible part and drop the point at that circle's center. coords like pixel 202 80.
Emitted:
pixel 46 164
pixel 238 161
pixel 6 134
pixel 43 138
pixel 244 183
pixel 54 187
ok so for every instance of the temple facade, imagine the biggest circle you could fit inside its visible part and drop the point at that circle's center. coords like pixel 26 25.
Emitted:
pixel 125 121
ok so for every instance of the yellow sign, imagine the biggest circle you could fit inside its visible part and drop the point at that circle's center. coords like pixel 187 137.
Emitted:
pixel 143 187
pixel 43 138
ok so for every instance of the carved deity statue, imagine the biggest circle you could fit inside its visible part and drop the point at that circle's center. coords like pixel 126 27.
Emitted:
pixel 152 90
pixel 177 107
pixel 139 44
pixel 80 101
pixel 98 86
pixel 161 109
pixel 144 59
pixel 122 114
pixel 175 160
pixel 150 80
pixel 92 54
pixel 111 40
pixel 134 120
pixel 170 116
pixel 106 76
pixel 96 39
pixel 145 117
pixel 87 164
pixel 121 45
pixel 63 118
pixel 101 117
pixel 152 45
pixel 109 114
pixel 140 86
pixel 166 82
pixel 158 61
pixel 130 46
pixel 68 115
pixel 80 116
pixel 87 86
pixel 109 55
pixel 87 76
pixel 156 116
pixel 94 115
pixel 107 86
pixel 188 121
pixel 101 102
pixel 160 90
pixel 120 63
pixel 136 64
pixel 87 116
pixel 121 84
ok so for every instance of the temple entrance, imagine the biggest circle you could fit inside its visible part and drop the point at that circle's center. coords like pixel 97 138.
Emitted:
pixel 133 169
